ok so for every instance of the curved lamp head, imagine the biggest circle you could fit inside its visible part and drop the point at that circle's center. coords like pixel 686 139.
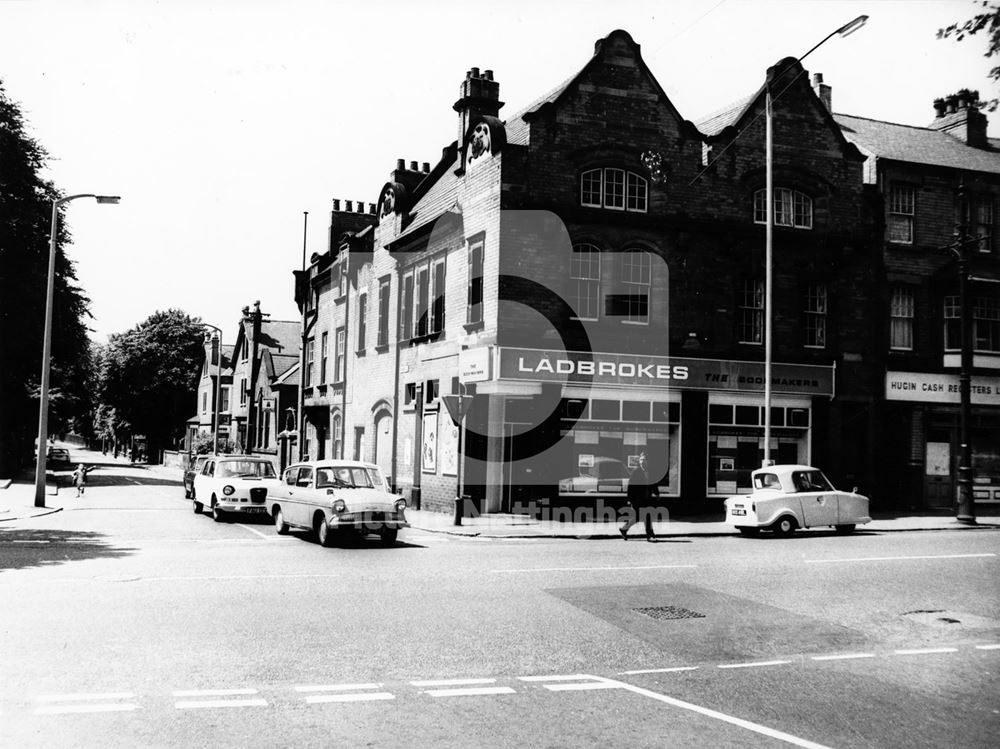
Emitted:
pixel 853 26
pixel 110 199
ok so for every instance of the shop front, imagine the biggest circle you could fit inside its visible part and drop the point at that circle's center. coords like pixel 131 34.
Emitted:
pixel 928 404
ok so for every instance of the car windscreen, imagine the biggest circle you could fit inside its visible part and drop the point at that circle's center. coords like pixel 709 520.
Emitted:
pixel 245 469
pixel 811 481
pixel 343 477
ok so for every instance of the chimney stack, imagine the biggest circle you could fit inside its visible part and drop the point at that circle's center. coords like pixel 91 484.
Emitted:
pixel 824 92
pixel 478 95
pixel 336 204
pixel 349 206
pixel 401 164
pixel 958 115
pixel 413 166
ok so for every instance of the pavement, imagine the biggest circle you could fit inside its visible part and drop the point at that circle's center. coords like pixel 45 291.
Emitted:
pixel 17 502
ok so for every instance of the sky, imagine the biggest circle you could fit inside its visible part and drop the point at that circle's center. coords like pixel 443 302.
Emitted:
pixel 221 123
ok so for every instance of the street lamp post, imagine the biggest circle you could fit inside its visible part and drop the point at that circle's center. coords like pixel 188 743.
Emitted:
pixel 848 28
pixel 43 394
pixel 966 512
pixel 218 380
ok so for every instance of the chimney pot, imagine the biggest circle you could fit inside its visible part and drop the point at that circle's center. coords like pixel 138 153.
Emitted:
pixel 488 74
pixel 371 208
pixel 349 206
pixel 475 72
pixel 401 163
pixel 427 166
pixel 413 166
pixel 336 204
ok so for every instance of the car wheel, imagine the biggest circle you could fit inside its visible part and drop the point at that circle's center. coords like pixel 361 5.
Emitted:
pixel 749 531
pixel 280 526
pixel 845 528
pixel 198 507
pixel 785 526
pixel 388 536
pixel 217 515
pixel 323 533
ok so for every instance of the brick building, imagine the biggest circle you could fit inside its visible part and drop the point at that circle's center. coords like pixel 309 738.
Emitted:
pixel 588 272
pixel 203 421
pixel 925 183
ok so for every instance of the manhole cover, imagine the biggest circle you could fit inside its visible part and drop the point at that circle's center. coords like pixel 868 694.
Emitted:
pixel 669 612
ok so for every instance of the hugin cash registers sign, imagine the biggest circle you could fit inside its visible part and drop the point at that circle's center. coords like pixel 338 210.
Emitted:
pixel 930 387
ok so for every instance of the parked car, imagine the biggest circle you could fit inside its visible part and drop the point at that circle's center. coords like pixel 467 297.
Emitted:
pixel 787 497
pixel 236 484
pixel 330 497
pixel 605 476
pixel 57 459
pixel 189 474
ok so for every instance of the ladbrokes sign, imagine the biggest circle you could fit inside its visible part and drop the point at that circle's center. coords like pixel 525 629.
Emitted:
pixel 627 370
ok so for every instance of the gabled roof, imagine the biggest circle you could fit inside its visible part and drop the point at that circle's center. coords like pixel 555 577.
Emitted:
pixel 917 145
pixel 716 122
pixel 439 199
pixel 290 376
pixel 281 336
pixel 517 127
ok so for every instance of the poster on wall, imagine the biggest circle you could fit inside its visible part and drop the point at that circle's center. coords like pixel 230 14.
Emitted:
pixel 429 448
pixel 448 444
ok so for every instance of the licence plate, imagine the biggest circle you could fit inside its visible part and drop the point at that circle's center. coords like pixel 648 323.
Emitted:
pixel 254 509
pixel 738 511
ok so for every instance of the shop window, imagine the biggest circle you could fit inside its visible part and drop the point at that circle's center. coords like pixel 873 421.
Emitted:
pixel 751 312
pixel 720 414
pixel 747 415
pixel 902 211
pixel 605 410
pixel 798 417
pixel 791 208
pixel 635 410
pixel 667 412
pixel 901 319
pixel 585 280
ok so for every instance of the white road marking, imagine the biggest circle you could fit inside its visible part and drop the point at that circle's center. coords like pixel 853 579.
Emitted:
pixel 750 726
pixel 926 651
pixel 898 559
pixel 844 657
pixel 468 691
pixel 987 647
pixel 563 677
pixel 450 682
pixel 212 692
pixel 265 536
pixel 755 664
pixel 110 707
pixel 659 670
pixel 335 687
pixel 602 569
pixel 203 704
pixel 581 686
pixel 81 697
pixel 350 697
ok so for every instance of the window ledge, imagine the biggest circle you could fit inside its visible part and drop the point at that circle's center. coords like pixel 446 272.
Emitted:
pixel 361 352
pixel 474 327
pixel 382 348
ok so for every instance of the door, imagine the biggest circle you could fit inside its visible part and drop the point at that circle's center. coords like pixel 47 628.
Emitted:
pixel 383 445
pixel 938 483
pixel 517 473
pixel 819 503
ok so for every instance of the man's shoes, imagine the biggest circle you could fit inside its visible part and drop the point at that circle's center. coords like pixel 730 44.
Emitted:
pixel 624 534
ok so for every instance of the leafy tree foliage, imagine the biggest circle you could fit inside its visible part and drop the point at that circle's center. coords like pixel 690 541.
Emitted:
pixel 149 377
pixel 25 220
pixel 987 21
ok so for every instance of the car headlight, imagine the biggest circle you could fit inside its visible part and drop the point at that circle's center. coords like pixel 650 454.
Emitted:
pixel 227 490
pixel 400 504
pixel 339 505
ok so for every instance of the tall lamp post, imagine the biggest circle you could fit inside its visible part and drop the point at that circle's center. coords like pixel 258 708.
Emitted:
pixel 43 395
pixel 848 28
pixel 966 512
pixel 218 379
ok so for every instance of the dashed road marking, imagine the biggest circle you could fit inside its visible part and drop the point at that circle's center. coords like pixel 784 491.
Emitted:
pixel 755 664
pixel 468 691
pixel 674 669
pixel 602 569
pixel 925 651
pixel 343 693
pixel 60 704
pixel 212 703
pixel 842 657
pixel 335 687
pixel 450 682
pixel 987 647
pixel 898 559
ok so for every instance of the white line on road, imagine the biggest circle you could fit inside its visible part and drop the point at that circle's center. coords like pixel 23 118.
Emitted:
pixel 110 707
pixel 898 559
pixel 561 677
pixel 750 726
pixel 755 664
pixel 987 647
pixel 450 682
pixel 582 686
pixel 602 569
pixel 82 697
pixel 659 670
pixel 212 692
pixel 926 651
pixel 844 657
pixel 200 704
pixel 265 536
pixel 468 691
pixel 350 697
pixel 335 687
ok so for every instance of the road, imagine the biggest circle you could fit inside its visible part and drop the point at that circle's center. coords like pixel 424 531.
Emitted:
pixel 127 620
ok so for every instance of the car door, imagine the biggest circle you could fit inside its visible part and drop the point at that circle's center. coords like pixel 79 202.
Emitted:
pixel 202 490
pixel 303 496
pixel 819 507
pixel 285 495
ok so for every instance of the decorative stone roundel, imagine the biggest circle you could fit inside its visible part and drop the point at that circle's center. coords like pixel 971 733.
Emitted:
pixel 486 137
pixel 391 199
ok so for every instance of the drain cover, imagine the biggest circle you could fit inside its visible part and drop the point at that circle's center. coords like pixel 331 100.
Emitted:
pixel 669 612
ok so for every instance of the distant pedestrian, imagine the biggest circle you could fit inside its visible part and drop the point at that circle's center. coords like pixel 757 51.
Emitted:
pixel 640 493
pixel 80 478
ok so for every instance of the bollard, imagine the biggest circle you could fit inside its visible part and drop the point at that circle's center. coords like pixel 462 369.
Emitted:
pixel 458 510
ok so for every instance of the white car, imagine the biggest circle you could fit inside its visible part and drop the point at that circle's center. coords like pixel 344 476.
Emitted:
pixel 787 497
pixel 603 476
pixel 233 484
pixel 328 497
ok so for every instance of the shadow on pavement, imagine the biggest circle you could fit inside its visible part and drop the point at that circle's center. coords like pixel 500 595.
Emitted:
pixel 24 548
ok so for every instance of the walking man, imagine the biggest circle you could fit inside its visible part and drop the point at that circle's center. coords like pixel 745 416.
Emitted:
pixel 640 493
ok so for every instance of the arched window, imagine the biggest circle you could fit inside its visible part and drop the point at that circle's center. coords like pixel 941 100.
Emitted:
pixel 791 208
pixel 615 189
pixel 636 270
pixel 585 281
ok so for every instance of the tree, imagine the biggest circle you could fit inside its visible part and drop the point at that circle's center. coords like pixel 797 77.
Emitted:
pixel 149 376
pixel 25 219
pixel 988 21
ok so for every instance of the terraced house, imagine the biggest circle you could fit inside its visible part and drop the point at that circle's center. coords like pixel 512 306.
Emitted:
pixel 587 274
